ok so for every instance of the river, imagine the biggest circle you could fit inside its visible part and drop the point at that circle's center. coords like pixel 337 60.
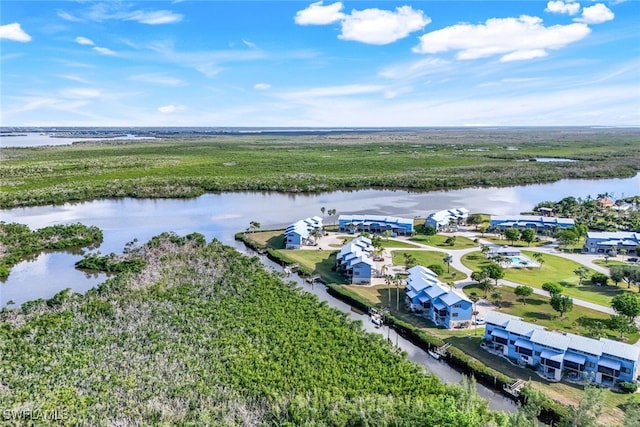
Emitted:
pixel 220 216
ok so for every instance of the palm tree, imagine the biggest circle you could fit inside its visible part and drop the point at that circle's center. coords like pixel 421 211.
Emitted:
pixel 323 210
pixel 316 233
pixel 331 212
pixel 539 258
pixel 447 260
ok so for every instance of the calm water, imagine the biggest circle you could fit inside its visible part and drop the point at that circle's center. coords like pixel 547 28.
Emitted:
pixel 222 215
pixel 33 139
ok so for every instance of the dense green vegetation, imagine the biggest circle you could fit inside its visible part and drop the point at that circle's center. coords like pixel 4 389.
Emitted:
pixel 596 214
pixel 205 336
pixel 19 242
pixel 428 160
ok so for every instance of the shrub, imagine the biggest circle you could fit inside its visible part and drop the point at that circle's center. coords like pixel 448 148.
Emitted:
pixel 628 386
pixel 599 279
pixel 436 268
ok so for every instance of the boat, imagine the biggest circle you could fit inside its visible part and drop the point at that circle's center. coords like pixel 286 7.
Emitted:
pixel 433 354
pixel 376 317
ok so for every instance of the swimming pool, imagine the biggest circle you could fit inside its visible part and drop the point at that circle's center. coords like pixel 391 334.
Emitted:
pixel 521 261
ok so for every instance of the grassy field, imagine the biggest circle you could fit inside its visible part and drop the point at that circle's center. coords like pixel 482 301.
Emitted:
pixel 469 342
pixel 554 269
pixel 187 167
pixel 517 243
pixel 565 393
pixel 438 240
pixel 273 239
pixel 397 244
pixel 427 258
pixel 537 310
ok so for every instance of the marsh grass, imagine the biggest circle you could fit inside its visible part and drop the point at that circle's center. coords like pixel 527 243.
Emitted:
pixel 415 160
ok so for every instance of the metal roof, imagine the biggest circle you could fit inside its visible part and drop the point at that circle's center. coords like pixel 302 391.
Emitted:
pixel 550 339
pixel 498 318
pixel 622 350
pixel 521 328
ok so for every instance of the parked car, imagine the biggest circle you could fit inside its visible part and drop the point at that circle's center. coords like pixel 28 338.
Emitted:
pixel 633 259
pixel 479 321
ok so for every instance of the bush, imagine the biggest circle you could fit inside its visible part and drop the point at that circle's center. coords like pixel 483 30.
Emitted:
pixel 599 279
pixel 429 230
pixel 628 386
pixel 436 268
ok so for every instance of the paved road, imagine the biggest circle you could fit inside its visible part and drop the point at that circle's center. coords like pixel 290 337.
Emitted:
pixel 457 254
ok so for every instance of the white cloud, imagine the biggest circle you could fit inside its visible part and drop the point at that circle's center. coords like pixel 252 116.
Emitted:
pixel 371 26
pixel 522 55
pixel 596 14
pixel 84 41
pixel 74 78
pixel 416 69
pixel 249 44
pixel 317 14
pixel 104 51
pixel 157 17
pixel 160 79
pixel 103 11
pixel 14 32
pixel 332 91
pixel 80 93
pixel 262 86
pixel 380 27
pixel 168 109
pixel 68 17
pixel 559 6
pixel 512 38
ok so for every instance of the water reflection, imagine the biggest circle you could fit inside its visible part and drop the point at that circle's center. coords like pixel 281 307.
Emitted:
pixel 220 216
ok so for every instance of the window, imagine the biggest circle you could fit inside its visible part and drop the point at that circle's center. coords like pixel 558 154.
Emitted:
pixel 512 342
pixel 454 315
pixel 625 370
pixel 591 365
pixel 537 353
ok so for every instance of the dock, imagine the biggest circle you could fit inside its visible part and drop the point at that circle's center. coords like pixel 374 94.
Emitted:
pixel 515 388
pixel 291 268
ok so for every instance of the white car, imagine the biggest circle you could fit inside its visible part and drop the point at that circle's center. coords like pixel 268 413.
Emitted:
pixel 479 321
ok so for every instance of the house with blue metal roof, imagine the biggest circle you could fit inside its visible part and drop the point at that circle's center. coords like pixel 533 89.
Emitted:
pixel 354 260
pixel 446 218
pixel 300 233
pixel 375 224
pixel 427 296
pixel 558 355
pixel 610 242
pixel 538 223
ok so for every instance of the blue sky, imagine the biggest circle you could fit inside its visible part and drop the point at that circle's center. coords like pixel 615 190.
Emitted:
pixel 303 63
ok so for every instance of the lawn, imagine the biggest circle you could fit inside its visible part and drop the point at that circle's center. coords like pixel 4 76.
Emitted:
pixel 565 393
pixel 469 342
pixel 580 320
pixel 427 258
pixel 274 238
pixel 609 263
pixel 320 262
pixel 379 296
pixel 439 241
pixel 397 244
pixel 517 243
pixel 554 269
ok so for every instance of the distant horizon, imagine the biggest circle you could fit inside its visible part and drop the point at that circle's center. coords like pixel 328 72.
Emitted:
pixel 10 129
pixel 320 64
